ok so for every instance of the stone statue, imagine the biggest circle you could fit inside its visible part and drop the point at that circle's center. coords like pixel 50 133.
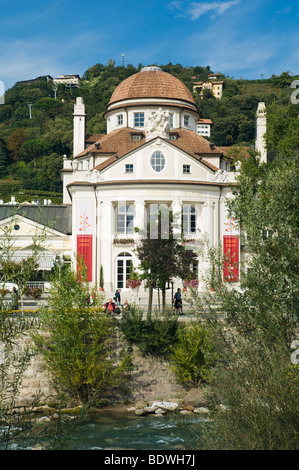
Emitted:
pixel 156 124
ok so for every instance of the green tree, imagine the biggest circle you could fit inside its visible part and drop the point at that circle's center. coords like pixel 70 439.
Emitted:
pixel 162 256
pixel 79 347
pixel 3 158
pixel 15 141
pixel 254 378
pixel 32 149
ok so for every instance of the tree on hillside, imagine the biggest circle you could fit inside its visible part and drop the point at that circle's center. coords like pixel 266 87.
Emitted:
pixel 15 141
pixel 3 158
pixel 32 149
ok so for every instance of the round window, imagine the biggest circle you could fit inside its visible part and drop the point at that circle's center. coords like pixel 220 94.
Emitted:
pixel 158 161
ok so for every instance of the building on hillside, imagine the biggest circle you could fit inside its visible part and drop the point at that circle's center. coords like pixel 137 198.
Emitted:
pixel 212 85
pixel 70 80
pixel 203 127
pixel 151 156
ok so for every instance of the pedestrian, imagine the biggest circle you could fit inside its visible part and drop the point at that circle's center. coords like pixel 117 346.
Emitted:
pixel 15 299
pixel 125 305
pixel 117 296
pixel 178 304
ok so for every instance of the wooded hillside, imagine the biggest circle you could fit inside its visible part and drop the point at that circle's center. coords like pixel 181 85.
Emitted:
pixel 32 149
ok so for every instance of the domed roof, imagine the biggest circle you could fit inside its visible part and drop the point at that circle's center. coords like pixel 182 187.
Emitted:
pixel 151 82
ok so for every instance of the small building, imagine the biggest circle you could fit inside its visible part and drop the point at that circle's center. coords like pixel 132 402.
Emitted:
pixel 70 80
pixel 203 127
pixel 214 86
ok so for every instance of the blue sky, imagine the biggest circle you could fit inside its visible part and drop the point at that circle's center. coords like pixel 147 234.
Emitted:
pixel 240 38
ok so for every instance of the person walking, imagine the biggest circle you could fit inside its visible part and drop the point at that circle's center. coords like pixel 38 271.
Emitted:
pixel 117 297
pixel 178 304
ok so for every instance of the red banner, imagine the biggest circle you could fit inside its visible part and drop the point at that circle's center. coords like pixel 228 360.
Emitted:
pixel 84 249
pixel 231 258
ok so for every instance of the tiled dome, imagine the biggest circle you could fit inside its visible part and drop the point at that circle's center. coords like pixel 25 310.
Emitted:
pixel 151 82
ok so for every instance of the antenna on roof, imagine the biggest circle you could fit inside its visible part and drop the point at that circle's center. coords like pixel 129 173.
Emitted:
pixel 123 59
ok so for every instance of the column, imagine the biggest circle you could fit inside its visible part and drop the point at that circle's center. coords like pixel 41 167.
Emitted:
pixel 107 235
pixel 207 237
pixel 177 219
pixel 139 219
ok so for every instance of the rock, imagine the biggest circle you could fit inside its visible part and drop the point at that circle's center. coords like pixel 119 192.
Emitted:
pixel 140 404
pixel 43 409
pixel 201 410
pixel 43 419
pixel 195 397
pixel 223 407
pixel 165 405
pixel 186 412
pixel 150 409
pixel 140 412
pixel 160 411
pixel 189 408
pixel 132 408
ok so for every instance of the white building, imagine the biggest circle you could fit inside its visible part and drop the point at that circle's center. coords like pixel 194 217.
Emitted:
pixel 70 80
pixel 152 154
pixel 204 127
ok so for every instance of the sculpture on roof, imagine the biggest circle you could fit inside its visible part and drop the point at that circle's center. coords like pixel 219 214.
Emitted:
pixel 157 124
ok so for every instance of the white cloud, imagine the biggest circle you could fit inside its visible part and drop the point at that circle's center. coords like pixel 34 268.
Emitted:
pixel 218 8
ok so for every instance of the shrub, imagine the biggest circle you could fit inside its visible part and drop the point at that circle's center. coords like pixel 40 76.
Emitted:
pixel 79 345
pixel 193 354
pixel 153 335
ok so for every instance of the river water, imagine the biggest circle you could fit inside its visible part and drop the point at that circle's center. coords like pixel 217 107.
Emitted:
pixel 114 431
pixel 135 432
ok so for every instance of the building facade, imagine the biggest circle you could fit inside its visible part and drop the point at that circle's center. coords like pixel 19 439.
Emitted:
pixel 151 157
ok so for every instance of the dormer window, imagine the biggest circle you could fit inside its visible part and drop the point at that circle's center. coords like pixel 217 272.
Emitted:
pixel 224 165
pixel 173 136
pixel 136 136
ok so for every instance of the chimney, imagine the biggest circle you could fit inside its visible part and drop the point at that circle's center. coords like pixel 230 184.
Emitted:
pixel 79 126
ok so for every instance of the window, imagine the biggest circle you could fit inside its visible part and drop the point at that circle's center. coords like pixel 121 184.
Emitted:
pixel 170 119
pixel 186 168
pixel 189 219
pixel 138 119
pixel 125 218
pixel 120 119
pixel 123 270
pixel 158 161
pixel 224 165
pixel 186 121
pixel 136 136
pixel 129 168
